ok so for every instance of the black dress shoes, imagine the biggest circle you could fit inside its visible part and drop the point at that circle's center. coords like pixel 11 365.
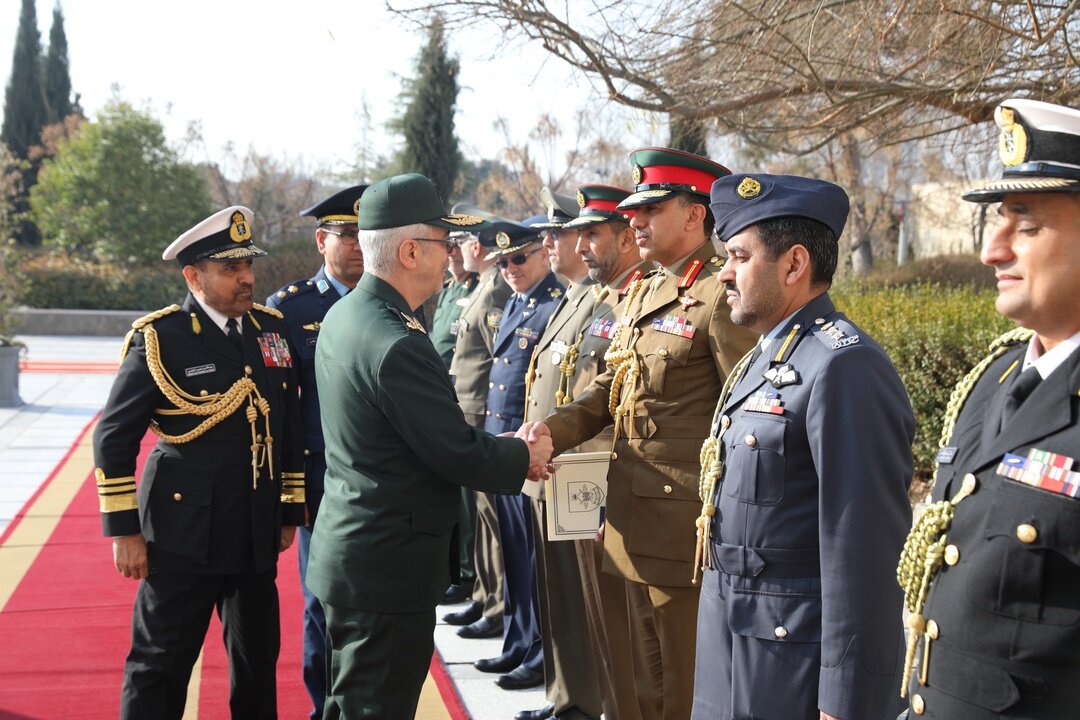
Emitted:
pixel 471 613
pixel 520 678
pixel 454 594
pixel 545 713
pixel 485 627
pixel 501 664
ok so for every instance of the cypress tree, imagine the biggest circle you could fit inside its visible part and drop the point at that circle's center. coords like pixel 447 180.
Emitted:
pixel 431 147
pixel 57 70
pixel 24 102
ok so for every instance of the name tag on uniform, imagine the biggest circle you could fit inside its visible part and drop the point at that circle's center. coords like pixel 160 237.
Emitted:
pixel 602 329
pixel 454 327
pixel 463 302
pixel 1042 469
pixel 275 350
pixel 558 351
pixel 674 325
pixel 200 370
pixel 946 455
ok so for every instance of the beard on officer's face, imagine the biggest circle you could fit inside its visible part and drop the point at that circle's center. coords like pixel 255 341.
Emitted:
pixel 228 287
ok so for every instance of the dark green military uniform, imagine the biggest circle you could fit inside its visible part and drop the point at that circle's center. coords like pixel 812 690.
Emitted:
pixel 453 299
pixel 397 451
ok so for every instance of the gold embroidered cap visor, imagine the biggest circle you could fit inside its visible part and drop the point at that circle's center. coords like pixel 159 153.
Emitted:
pixel 225 236
pixel 1039 145
pixel 409 199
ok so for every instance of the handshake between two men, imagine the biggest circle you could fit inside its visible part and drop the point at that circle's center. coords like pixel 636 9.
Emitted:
pixel 538 437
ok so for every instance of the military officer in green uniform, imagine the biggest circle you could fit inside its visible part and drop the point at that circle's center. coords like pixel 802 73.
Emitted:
pixel 304 304
pixel 222 491
pixel 672 348
pixel 453 298
pixel 398 449
pixel 991 571
pixel 469 369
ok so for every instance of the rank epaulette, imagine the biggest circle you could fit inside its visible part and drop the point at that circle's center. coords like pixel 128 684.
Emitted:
pixel 834 334
pixel 294 289
pixel 637 274
pixel 142 322
pixel 268 310
pixel 691 273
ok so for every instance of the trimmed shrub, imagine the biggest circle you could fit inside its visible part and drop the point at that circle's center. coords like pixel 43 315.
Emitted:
pixel 57 281
pixel 934 335
pixel 947 270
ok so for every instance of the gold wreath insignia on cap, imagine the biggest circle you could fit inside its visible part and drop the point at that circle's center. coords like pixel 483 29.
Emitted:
pixel 356 207
pixel 749 188
pixel 502 240
pixel 1012 144
pixel 580 199
pixel 239 230
pixel 638 173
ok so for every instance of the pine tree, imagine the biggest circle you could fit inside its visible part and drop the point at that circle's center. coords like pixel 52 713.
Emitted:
pixel 57 70
pixel 431 148
pixel 24 102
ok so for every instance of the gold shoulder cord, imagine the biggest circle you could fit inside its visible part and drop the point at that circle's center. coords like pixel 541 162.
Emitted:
pixel 530 378
pixel 924 548
pixel 567 367
pixel 712 469
pixel 214 407
pixel 625 366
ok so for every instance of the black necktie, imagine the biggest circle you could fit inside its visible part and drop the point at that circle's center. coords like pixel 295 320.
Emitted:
pixel 1019 392
pixel 234 334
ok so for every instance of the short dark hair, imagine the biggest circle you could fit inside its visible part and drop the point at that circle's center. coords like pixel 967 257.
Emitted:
pixel 687 198
pixel 780 234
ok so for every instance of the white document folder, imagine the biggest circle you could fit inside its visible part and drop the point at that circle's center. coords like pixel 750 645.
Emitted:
pixel 576 492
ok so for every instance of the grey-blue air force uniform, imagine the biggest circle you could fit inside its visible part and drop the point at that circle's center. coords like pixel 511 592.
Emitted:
pixel 802 610
pixel 304 305
pixel 522 324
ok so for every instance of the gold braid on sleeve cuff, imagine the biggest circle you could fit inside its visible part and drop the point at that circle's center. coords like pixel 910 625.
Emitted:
pixel 292 488
pixel 115 494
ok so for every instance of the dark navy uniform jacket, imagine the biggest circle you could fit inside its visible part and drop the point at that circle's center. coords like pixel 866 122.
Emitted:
pixel 197 507
pixel 519 332
pixel 304 304
pixel 1005 606
pixel 804 611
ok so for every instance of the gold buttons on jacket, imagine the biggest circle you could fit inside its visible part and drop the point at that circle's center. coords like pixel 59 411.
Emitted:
pixel 306 452
pixel 1027 533
pixel 614 455
pixel 780 632
pixel 750 441
pixel 539 375
pixel 502 387
pixel 725 422
pixel 592 353
pixel 498 415
pixel 487 412
pixel 663 352
pixel 491 386
pixel 668 489
pixel 247 369
pixel 177 497
pixel 952 554
pixel 203 393
pixel 932 630
pixel 918 706
pixel 506 361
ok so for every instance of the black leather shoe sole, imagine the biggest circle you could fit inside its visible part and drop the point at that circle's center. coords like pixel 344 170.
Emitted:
pixel 544 713
pixel 501 664
pixel 482 628
pixel 520 679
pixel 468 616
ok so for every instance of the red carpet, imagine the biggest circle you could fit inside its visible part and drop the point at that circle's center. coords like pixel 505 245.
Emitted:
pixel 65 628
pixel 85 367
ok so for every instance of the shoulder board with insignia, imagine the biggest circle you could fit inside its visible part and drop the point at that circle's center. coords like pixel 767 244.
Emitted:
pixel 834 334
pixel 412 323
pixel 716 261
pixel 691 273
pixel 268 310
pixel 151 317
pixel 637 274
pixel 295 289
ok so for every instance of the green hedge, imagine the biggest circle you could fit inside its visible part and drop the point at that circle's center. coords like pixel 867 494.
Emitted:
pixel 934 335
pixel 57 281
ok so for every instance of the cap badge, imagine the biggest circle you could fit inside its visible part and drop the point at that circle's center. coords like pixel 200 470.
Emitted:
pixel 1012 144
pixel 239 230
pixel 638 174
pixel 502 240
pixel 749 188
pixel 580 199
pixel 356 207
pixel 550 208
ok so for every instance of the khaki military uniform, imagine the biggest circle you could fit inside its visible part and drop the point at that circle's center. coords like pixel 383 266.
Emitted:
pixel 673 348
pixel 580 601
pixel 469 370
